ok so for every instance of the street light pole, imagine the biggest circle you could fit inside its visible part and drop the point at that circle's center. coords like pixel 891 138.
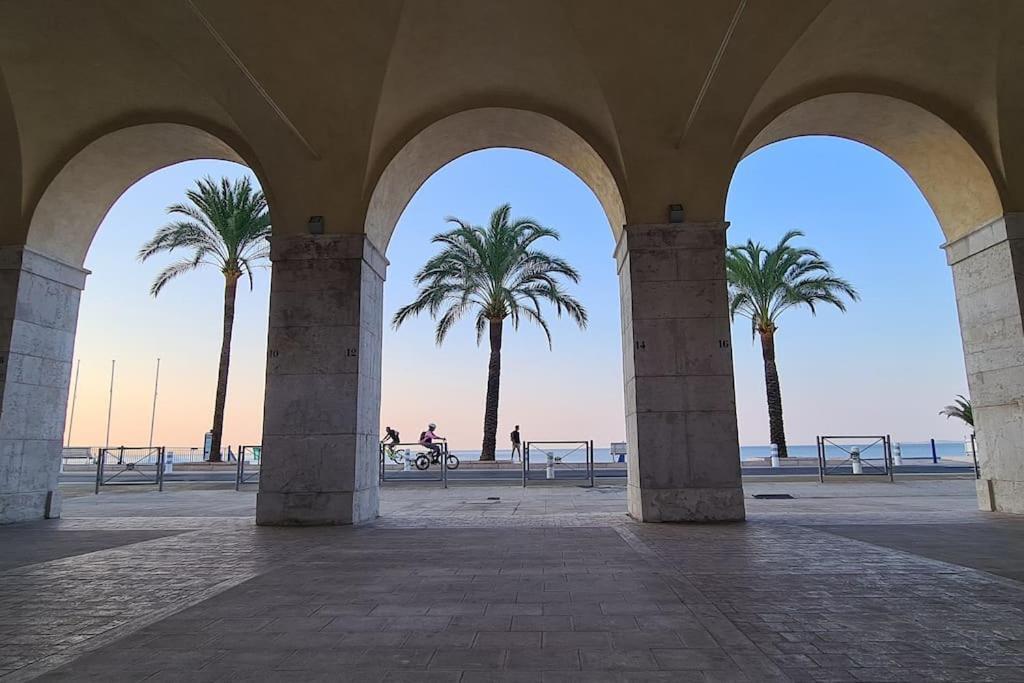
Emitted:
pixel 74 399
pixel 110 405
pixel 152 419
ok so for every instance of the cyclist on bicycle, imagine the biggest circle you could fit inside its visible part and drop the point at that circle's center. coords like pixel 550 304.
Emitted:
pixel 427 439
pixel 390 440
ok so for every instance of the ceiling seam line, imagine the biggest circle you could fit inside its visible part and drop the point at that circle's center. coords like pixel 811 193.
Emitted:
pixel 252 79
pixel 711 72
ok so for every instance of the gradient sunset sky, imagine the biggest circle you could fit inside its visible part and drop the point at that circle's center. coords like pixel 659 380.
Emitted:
pixel 887 366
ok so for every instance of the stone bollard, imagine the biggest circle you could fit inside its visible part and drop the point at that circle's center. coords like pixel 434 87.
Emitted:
pixel 776 461
pixel 551 465
pixel 858 468
pixel 897 456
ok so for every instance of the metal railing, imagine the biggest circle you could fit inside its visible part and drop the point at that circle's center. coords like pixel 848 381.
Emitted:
pixel 859 456
pixel 400 462
pixel 130 466
pixel 248 474
pixel 71 455
pixel 555 464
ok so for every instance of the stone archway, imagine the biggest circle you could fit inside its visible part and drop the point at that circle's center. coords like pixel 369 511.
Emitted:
pixel 322 412
pixel 41 280
pixel 984 247
pixel 74 203
pixel 950 173
pixel 478 129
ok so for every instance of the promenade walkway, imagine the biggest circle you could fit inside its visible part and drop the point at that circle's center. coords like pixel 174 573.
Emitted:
pixel 863 582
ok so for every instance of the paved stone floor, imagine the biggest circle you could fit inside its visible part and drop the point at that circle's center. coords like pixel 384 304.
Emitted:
pixel 862 582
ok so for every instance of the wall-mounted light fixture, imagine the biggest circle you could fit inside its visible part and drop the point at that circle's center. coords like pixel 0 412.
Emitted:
pixel 675 213
pixel 315 225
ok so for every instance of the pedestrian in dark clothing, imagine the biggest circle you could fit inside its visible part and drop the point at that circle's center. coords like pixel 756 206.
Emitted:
pixel 516 445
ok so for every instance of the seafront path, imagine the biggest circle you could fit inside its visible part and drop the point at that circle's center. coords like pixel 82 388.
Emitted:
pixel 842 581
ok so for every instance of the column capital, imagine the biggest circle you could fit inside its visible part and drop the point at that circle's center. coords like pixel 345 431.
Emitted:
pixel 329 246
pixel 669 236
pixel 1007 227
pixel 24 258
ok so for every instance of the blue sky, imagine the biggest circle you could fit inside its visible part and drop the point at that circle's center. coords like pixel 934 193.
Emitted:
pixel 888 365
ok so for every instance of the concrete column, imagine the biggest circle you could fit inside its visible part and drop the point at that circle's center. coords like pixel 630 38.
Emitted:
pixel 988 276
pixel 39 300
pixel 677 365
pixel 322 414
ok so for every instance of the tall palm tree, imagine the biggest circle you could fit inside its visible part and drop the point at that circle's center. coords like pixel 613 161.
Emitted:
pixel 962 409
pixel 764 283
pixel 494 273
pixel 223 225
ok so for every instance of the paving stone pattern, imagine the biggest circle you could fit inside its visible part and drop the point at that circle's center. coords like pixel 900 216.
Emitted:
pixel 44 544
pixel 996 546
pixel 424 597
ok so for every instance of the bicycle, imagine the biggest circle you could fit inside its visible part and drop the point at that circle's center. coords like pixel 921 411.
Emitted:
pixel 427 458
pixel 422 460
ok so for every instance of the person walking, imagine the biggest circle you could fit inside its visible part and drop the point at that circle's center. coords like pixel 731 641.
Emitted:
pixel 516 445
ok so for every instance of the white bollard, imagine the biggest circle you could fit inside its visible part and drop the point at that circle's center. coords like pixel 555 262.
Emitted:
pixel 169 463
pixel 897 456
pixel 776 462
pixel 405 460
pixel 858 468
pixel 551 465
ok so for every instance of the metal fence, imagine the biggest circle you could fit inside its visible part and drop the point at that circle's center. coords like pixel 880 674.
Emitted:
pixel 404 462
pixel 854 456
pixel 128 466
pixel 549 461
pixel 76 455
pixel 250 460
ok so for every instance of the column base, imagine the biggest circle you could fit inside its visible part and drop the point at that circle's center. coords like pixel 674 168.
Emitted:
pixel 22 507
pixel 321 508
pixel 686 504
pixel 999 495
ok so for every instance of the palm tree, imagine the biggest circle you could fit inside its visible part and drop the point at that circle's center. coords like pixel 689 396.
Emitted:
pixel 961 409
pixel 494 273
pixel 223 225
pixel 764 283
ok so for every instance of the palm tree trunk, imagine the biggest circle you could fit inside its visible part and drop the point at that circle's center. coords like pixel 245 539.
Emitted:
pixel 493 382
pixel 774 391
pixel 230 287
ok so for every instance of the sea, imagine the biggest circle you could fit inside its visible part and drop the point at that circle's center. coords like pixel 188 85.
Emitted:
pixel 871 449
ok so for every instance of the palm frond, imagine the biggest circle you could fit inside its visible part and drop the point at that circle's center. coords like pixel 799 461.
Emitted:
pixel 224 224
pixel 765 282
pixel 496 270
pixel 962 409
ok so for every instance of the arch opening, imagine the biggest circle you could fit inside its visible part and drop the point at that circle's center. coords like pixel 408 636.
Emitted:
pixel 890 362
pixel 57 234
pixel 478 129
pixel 573 389
pixel 119 319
